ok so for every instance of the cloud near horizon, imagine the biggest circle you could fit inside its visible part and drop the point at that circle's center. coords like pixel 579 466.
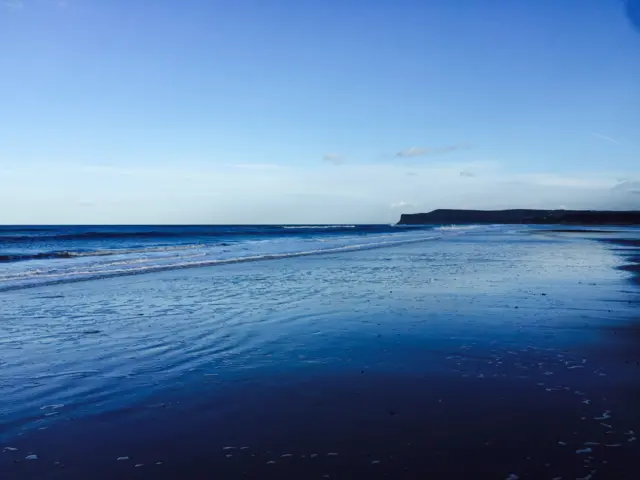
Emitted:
pixel 334 158
pixel 360 193
pixel 414 152
pixel 402 204
pixel 255 166
pixel 627 186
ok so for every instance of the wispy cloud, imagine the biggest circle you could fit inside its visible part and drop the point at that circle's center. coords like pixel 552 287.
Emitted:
pixel 108 170
pixel 412 152
pixel 606 138
pixel 256 166
pixel 19 4
pixel 627 186
pixel 334 158
pixel 564 181
pixel 12 4
pixel 467 174
pixel 423 151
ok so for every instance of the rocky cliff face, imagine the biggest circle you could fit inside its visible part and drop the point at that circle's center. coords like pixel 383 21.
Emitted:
pixel 523 216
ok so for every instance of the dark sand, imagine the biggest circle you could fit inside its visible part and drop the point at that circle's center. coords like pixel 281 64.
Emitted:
pixel 484 358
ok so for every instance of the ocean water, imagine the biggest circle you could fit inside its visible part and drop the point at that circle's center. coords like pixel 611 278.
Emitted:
pixel 37 255
pixel 486 353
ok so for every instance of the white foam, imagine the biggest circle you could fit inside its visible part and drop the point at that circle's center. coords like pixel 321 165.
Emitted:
pixel 459 227
pixel 318 227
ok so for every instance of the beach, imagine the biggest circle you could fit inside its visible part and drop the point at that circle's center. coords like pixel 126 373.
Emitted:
pixel 497 353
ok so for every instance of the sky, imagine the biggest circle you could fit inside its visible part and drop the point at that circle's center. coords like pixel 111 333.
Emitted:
pixel 301 111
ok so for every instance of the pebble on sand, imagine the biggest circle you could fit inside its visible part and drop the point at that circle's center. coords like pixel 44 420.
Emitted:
pixel 606 415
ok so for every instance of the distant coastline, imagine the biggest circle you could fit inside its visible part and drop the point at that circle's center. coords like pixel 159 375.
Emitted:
pixel 522 216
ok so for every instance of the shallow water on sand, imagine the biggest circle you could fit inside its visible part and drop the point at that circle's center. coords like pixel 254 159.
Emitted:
pixel 486 355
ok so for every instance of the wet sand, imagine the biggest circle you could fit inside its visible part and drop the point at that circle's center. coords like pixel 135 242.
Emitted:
pixel 510 356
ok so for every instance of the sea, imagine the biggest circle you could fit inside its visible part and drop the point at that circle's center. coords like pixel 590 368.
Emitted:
pixel 505 352
pixel 38 255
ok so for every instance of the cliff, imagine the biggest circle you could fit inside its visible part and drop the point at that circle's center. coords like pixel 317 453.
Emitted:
pixel 522 216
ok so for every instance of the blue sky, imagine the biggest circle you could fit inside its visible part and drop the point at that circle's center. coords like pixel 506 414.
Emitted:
pixel 304 111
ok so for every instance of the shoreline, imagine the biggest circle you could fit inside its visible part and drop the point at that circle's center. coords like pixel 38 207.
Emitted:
pixel 631 253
